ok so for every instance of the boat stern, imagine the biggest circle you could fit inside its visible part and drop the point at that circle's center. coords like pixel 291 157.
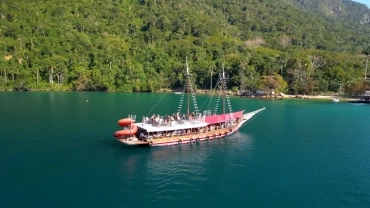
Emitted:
pixel 133 141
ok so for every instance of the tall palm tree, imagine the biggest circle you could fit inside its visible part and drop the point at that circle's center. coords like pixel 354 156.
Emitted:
pixel 366 51
pixel 282 59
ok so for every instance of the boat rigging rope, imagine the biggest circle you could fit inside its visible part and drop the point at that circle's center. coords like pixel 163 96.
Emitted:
pixel 159 100
pixel 208 101
pixel 209 98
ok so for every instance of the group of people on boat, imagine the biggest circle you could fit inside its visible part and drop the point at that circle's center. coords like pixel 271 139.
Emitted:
pixel 182 132
pixel 175 118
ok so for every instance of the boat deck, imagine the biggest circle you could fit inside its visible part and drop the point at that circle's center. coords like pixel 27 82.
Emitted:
pixel 173 126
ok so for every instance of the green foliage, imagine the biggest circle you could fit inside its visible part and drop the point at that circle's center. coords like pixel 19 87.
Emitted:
pixel 272 83
pixel 137 46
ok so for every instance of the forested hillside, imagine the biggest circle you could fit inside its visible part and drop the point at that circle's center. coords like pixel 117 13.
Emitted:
pixel 296 46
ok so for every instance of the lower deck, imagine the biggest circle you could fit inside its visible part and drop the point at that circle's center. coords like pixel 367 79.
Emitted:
pixel 185 138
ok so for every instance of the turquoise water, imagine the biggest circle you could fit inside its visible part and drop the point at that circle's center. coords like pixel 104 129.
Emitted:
pixel 57 150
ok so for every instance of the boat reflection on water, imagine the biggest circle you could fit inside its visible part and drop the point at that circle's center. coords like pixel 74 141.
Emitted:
pixel 163 164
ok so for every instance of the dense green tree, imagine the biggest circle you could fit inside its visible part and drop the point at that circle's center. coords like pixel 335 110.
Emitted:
pixel 142 45
pixel 273 83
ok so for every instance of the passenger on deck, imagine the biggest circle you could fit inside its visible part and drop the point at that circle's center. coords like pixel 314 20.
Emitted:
pixel 152 119
pixel 141 135
pixel 180 132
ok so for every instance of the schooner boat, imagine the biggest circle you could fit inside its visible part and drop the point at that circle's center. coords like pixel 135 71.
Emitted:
pixel 186 127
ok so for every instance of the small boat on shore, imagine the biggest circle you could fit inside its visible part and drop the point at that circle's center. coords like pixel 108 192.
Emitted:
pixel 365 98
pixel 189 127
pixel 335 100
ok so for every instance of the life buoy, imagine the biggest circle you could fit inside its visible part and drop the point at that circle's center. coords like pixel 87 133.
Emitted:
pixel 150 143
pixel 179 141
pixel 197 139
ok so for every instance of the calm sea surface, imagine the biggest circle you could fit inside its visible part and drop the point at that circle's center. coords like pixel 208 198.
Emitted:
pixel 57 150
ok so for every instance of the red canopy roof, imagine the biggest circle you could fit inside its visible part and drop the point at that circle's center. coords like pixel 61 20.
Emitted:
pixel 223 117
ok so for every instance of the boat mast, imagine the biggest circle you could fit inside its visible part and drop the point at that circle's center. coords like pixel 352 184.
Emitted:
pixel 225 98
pixel 223 88
pixel 188 88
pixel 188 84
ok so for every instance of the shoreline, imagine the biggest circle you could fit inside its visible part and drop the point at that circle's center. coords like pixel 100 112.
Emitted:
pixel 319 97
pixel 282 96
pixel 207 92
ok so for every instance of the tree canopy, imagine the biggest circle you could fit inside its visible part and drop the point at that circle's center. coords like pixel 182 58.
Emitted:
pixel 297 46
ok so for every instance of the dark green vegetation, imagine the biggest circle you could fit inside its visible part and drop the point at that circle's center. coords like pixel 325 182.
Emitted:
pixel 297 46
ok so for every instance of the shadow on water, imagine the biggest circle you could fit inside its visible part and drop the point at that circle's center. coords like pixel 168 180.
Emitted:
pixel 233 142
